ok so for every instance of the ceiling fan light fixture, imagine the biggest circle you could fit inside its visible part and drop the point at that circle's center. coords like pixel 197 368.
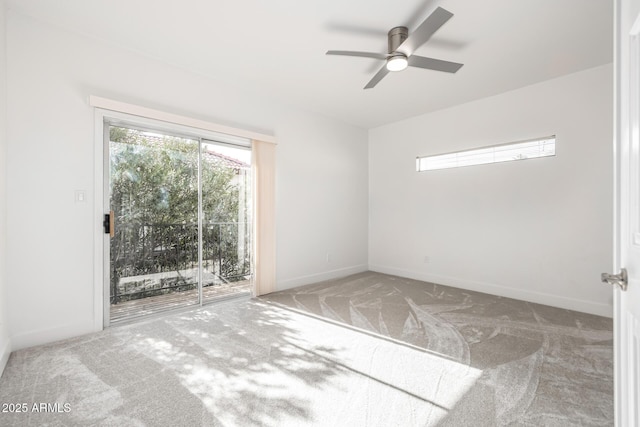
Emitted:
pixel 397 62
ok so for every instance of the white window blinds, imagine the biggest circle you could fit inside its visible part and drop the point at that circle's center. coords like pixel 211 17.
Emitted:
pixel 495 154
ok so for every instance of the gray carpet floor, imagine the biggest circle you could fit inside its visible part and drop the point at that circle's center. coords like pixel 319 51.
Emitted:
pixel 366 350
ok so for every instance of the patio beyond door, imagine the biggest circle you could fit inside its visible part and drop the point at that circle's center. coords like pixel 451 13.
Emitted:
pixel 179 222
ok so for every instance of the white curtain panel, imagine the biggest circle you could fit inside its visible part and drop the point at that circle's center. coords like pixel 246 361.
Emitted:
pixel 263 155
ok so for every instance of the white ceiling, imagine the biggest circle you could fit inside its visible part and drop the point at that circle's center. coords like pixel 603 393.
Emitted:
pixel 277 47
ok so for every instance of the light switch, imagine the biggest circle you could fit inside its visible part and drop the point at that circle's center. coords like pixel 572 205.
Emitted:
pixel 80 196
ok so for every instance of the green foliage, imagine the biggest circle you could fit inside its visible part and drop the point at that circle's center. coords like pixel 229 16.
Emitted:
pixel 154 196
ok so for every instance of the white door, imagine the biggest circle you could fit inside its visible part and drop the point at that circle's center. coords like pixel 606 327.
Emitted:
pixel 627 208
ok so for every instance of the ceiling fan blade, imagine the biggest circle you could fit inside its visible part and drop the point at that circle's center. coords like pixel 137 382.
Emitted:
pixel 379 76
pixel 362 54
pixel 434 64
pixel 425 30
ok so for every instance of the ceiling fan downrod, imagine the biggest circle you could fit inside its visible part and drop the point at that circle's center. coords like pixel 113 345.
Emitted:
pixel 397 36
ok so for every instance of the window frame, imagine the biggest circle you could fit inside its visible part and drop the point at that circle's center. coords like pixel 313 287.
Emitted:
pixel 453 160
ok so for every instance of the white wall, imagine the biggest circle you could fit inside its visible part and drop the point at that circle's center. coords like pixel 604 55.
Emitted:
pixel 50 138
pixel 537 230
pixel 322 189
pixel 5 346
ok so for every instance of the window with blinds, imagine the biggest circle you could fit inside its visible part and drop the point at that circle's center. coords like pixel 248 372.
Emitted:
pixel 524 150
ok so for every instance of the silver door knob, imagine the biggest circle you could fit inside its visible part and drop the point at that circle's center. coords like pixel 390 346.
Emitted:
pixel 620 280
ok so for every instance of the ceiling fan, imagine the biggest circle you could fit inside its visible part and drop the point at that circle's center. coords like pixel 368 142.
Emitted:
pixel 402 45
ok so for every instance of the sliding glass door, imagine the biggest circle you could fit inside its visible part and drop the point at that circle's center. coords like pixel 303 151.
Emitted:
pixel 226 220
pixel 179 221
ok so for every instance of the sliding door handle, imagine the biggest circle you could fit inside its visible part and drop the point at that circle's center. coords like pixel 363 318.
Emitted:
pixel 109 224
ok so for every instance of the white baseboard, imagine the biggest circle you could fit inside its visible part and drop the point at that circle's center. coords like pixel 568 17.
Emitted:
pixel 319 277
pixel 583 306
pixel 5 352
pixel 46 336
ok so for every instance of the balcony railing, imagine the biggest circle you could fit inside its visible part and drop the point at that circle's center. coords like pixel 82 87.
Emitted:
pixel 156 259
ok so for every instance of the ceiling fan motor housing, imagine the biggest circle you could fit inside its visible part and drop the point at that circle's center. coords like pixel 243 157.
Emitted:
pixel 397 36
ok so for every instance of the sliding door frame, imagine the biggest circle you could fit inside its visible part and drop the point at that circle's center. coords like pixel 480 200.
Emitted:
pixel 103 120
